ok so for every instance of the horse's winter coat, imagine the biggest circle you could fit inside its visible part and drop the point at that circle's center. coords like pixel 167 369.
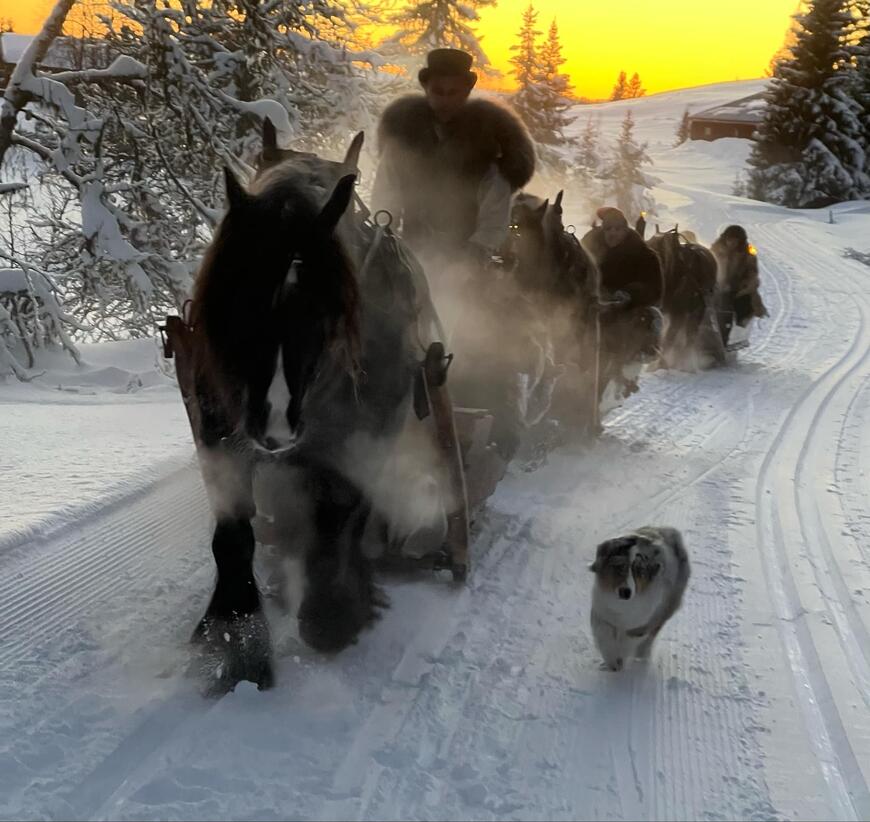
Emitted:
pixel 296 360
pixel 689 297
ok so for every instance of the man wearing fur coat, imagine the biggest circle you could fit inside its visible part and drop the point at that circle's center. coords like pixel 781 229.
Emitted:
pixel 450 165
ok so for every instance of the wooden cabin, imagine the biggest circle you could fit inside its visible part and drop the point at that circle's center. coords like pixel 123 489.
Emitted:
pixel 738 119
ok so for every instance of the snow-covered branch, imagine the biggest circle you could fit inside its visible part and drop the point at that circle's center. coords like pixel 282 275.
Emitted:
pixel 17 95
pixel 123 69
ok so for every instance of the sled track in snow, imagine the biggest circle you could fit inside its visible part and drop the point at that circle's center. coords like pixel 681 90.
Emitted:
pixel 853 431
pixel 90 563
pixel 786 496
pixel 56 597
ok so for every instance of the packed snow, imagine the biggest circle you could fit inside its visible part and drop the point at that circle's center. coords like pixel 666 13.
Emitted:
pixel 485 701
pixel 78 437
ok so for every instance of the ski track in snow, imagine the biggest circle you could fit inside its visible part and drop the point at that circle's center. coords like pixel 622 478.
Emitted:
pixel 486 702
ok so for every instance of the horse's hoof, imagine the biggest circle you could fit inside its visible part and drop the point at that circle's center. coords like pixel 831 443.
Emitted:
pixel 330 618
pixel 234 650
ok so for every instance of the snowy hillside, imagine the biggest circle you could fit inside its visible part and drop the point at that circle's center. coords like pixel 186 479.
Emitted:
pixel 485 702
pixel 659 114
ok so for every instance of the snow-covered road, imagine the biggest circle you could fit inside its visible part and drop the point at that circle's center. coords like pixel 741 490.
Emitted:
pixel 487 702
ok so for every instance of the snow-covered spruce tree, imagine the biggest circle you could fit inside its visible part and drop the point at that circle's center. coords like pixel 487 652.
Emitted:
pixel 858 37
pixel 625 181
pixel 588 154
pixel 620 89
pixel 809 152
pixel 423 25
pixel 554 89
pixel 684 129
pixel 784 52
pixel 635 88
pixel 527 69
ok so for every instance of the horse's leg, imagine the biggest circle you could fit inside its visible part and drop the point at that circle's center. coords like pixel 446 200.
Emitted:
pixel 669 341
pixel 340 595
pixel 233 631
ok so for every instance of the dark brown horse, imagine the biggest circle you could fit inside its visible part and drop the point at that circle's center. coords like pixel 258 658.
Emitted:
pixel 689 271
pixel 303 361
pixel 560 278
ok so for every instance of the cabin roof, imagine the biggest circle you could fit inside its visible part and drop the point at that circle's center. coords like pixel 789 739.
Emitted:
pixel 749 110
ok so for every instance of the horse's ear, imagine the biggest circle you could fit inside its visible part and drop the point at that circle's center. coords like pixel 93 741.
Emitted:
pixel 557 203
pixel 236 195
pixel 270 136
pixel 351 158
pixel 541 210
pixel 337 203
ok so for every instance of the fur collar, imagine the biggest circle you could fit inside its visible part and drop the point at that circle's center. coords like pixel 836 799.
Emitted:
pixel 486 129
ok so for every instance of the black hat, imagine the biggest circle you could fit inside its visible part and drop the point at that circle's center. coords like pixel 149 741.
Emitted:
pixel 735 232
pixel 447 63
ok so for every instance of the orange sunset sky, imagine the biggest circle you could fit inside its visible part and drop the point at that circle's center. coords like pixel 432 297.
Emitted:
pixel 672 43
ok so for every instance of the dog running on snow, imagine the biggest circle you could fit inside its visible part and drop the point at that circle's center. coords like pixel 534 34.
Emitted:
pixel 640 579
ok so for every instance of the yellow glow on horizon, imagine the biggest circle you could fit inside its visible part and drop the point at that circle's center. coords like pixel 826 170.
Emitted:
pixel 670 43
pixel 27 16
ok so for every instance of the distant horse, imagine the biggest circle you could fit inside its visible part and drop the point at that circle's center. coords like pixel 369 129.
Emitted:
pixel 556 273
pixel 304 360
pixel 689 271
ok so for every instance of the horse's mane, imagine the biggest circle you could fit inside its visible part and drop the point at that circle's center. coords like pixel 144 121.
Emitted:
pixel 236 304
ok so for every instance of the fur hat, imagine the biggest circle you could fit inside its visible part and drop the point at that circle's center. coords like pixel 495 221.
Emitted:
pixel 447 63
pixel 606 213
pixel 735 232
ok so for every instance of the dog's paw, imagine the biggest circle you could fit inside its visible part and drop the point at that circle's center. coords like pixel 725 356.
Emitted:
pixel 613 666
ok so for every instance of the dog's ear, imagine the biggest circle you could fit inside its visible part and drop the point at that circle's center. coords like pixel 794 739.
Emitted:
pixel 607 549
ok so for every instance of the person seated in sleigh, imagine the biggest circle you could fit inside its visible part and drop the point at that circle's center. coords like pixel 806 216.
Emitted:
pixel 738 278
pixel 449 166
pixel 631 294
